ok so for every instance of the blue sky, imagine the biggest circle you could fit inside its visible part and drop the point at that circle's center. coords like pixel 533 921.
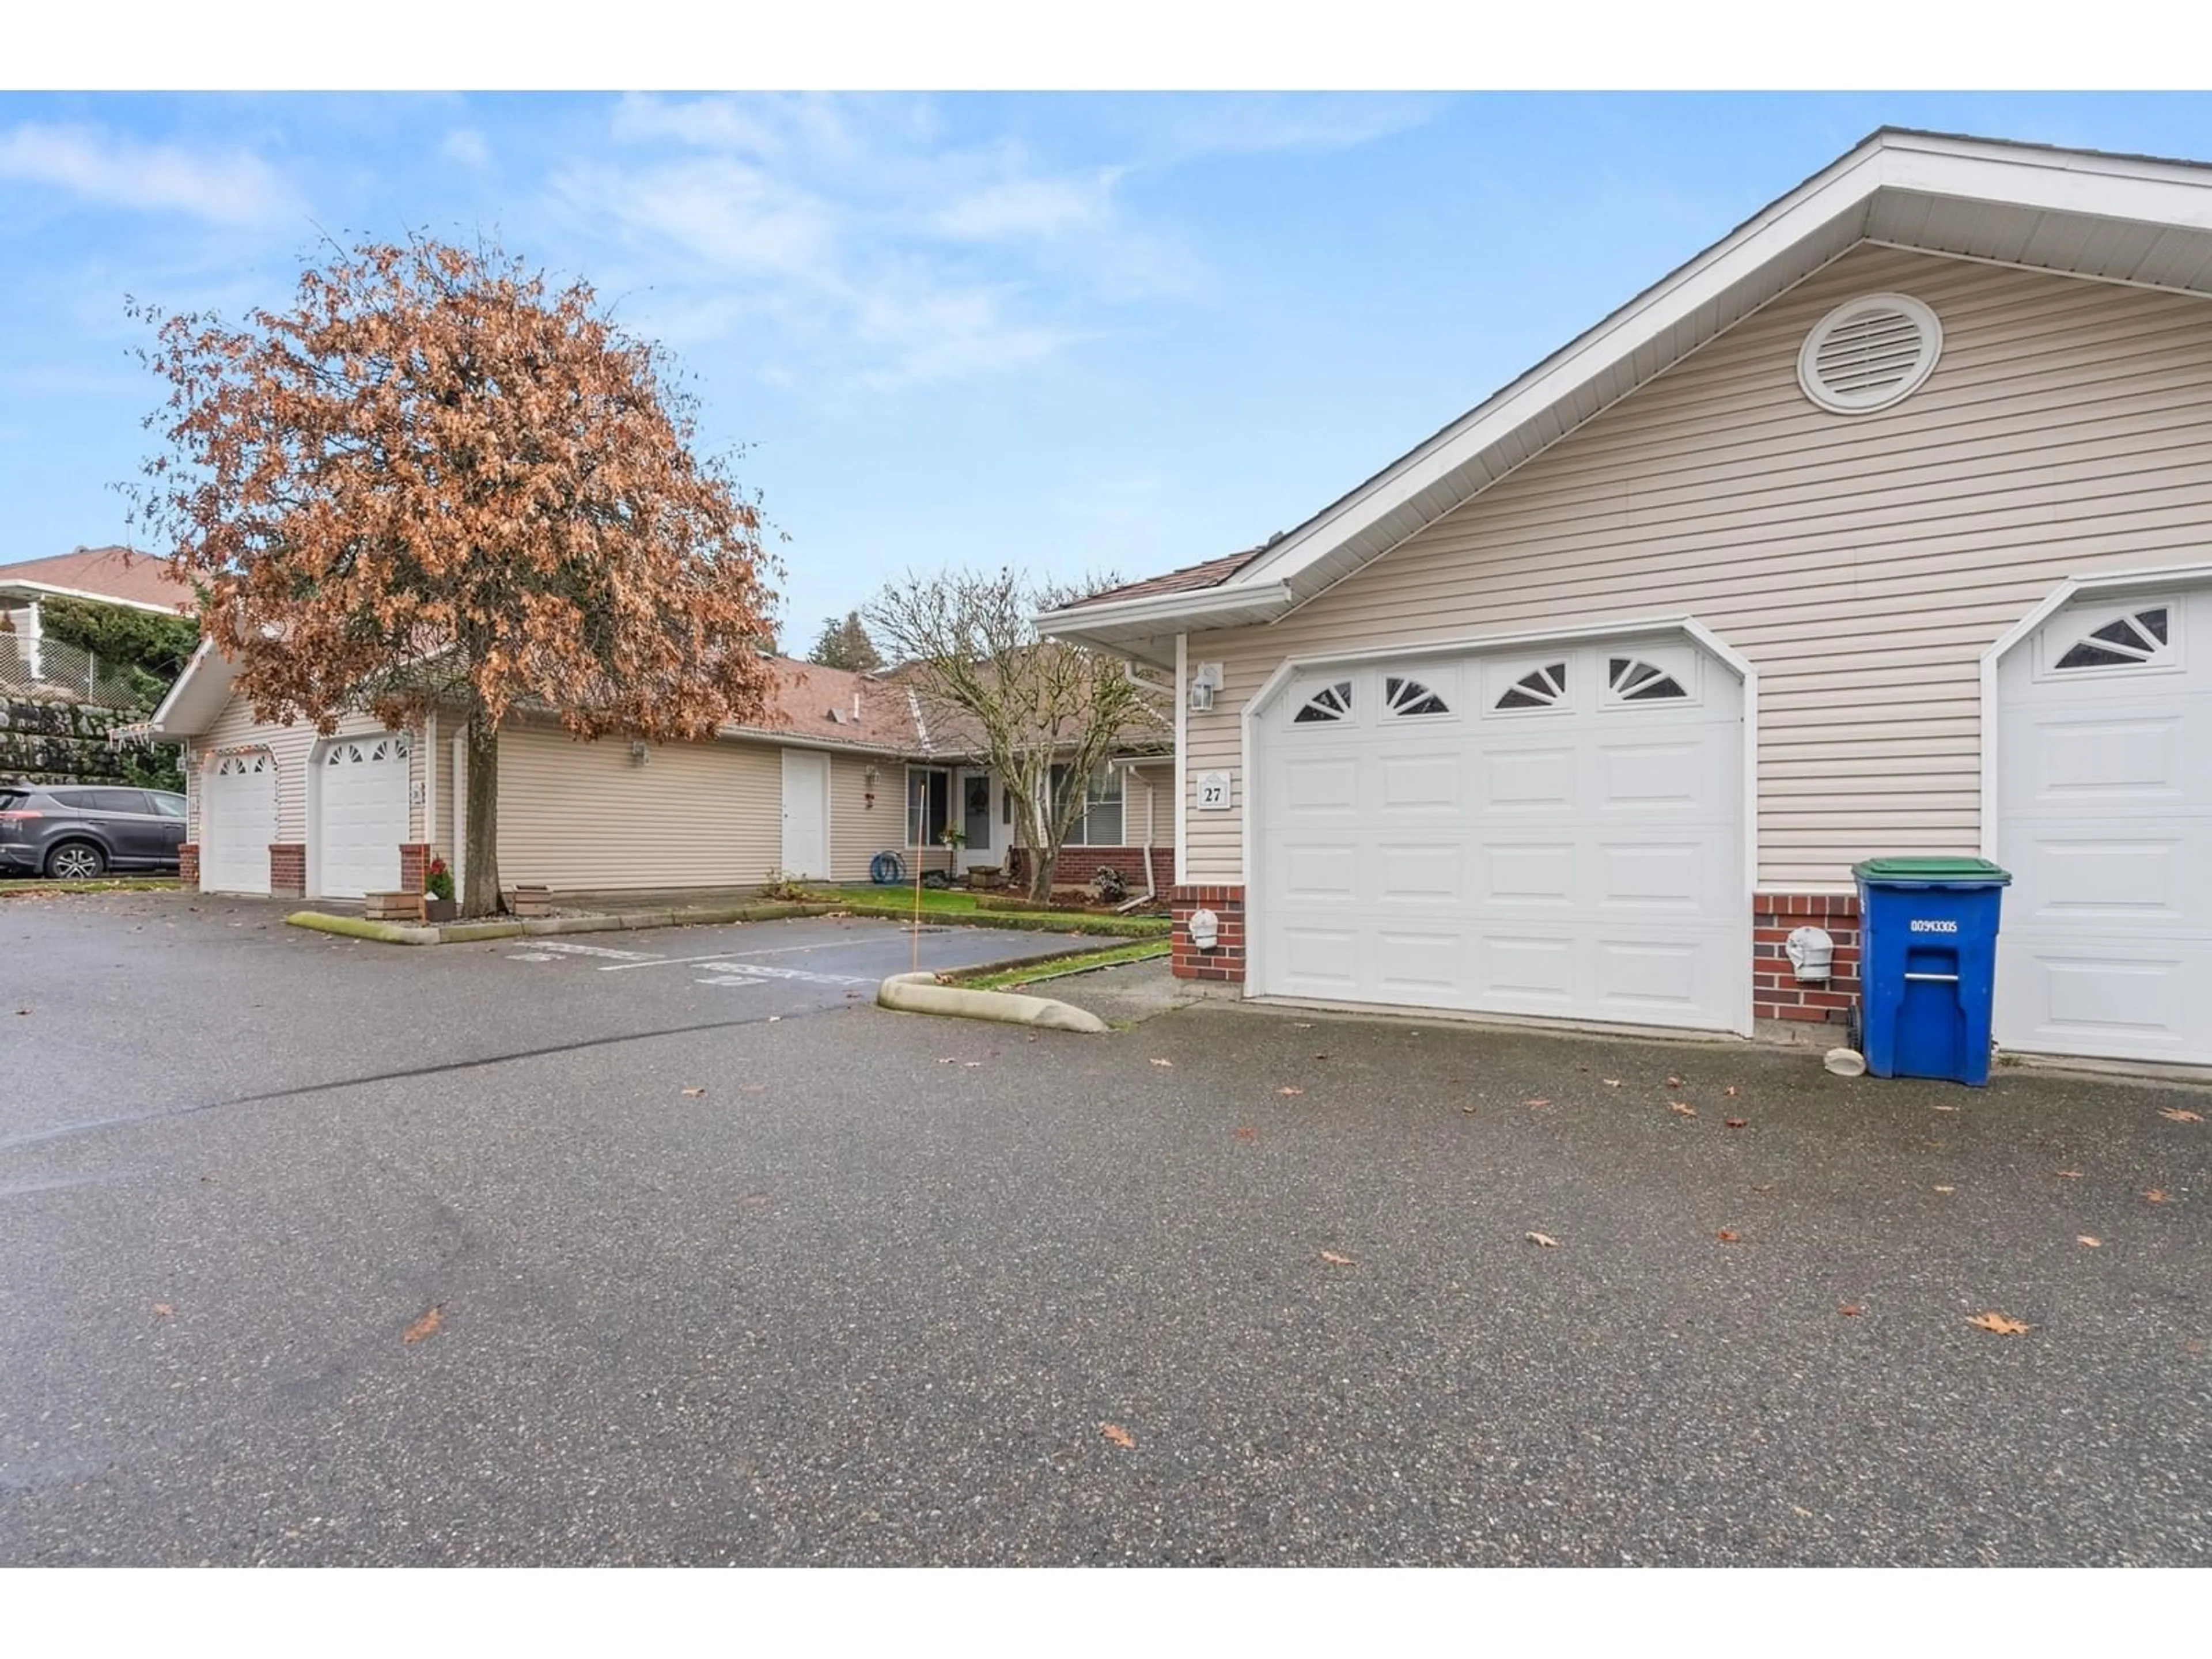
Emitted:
pixel 1076 333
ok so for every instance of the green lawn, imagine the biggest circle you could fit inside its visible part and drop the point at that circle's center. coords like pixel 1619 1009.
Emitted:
pixel 956 905
pixel 1029 973
pixel 30 888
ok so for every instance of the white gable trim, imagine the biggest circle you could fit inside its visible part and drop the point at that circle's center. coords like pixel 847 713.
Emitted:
pixel 2060 212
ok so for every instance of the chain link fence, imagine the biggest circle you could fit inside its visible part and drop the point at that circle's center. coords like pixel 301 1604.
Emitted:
pixel 49 670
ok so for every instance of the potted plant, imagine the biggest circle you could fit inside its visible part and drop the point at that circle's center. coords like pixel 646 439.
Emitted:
pixel 438 904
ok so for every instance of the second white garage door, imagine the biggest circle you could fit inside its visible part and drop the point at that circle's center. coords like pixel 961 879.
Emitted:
pixel 1556 832
pixel 2105 819
pixel 361 815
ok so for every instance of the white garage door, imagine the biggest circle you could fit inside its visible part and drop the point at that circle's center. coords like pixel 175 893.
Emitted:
pixel 1551 832
pixel 362 815
pixel 2105 819
pixel 238 820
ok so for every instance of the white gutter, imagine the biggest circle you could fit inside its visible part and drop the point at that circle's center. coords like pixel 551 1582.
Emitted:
pixel 1166 608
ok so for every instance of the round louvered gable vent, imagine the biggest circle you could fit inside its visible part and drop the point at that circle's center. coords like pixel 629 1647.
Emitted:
pixel 1869 354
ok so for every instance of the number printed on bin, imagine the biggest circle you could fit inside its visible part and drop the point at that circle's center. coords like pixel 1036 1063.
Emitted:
pixel 1926 924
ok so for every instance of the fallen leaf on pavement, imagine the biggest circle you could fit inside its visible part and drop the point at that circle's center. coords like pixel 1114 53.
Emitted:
pixel 1947 1189
pixel 1535 1103
pixel 1729 1091
pixel 1290 1089
pixel 1763 1186
pixel 1673 1083
pixel 1157 1061
pixel 163 1310
pixel 1468 1110
pixel 2155 1196
pixel 2070 1175
pixel 2180 1114
pixel 1610 1082
pixel 1544 1239
pixel 2093 1244
pixel 693 1094
pixel 1681 1108
pixel 1946 1109
pixel 1999 1324
pixel 1335 1260
pixel 426 1326
pixel 1119 1436
pixel 1727 1237
pixel 1851 1310
pixel 1735 1123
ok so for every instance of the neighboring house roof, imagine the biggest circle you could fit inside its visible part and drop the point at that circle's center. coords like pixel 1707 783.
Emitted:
pixel 114 575
pixel 2113 218
pixel 812 705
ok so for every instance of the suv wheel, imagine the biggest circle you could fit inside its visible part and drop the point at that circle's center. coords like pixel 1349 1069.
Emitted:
pixel 75 860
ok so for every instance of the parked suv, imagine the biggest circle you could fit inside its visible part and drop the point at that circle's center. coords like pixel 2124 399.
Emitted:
pixel 76 831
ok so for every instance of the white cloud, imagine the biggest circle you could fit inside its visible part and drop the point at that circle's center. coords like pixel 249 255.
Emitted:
pixel 1044 209
pixel 232 188
pixel 468 147
pixel 878 250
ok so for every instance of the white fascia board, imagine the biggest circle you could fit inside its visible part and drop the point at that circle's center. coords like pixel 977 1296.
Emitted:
pixel 1155 608
pixel 34 591
pixel 173 719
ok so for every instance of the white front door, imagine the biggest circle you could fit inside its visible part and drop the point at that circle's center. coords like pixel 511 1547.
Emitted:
pixel 238 820
pixel 2105 819
pixel 360 816
pixel 806 813
pixel 1552 831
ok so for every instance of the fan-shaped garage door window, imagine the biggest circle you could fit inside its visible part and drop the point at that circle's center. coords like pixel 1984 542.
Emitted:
pixel 1331 702
pixel 2137 639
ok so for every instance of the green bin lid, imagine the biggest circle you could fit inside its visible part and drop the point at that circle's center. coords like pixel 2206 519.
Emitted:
pixel 1979 871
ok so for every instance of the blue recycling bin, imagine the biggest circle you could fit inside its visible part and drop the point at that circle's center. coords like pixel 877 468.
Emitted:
pixel 1927 968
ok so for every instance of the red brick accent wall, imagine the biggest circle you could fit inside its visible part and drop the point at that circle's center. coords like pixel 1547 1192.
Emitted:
pixel 1078 864
pixel 1776 992
pixel 188 864
pixel 414 865
pixel 287 869
pixel 1225 962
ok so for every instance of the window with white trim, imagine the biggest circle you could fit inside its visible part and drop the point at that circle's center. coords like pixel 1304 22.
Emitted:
pixel 2136 639
pixel 1539 687
pixel 1331 702
pixel 1099 823
pixel 1631 679
pixel 1409 698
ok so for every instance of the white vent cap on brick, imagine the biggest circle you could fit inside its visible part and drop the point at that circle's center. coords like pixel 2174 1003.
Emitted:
pixel 1870 353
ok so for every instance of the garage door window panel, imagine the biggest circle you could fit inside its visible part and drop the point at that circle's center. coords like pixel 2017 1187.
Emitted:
pixel 1327 706
pixel 2141 637
pixel 1540 687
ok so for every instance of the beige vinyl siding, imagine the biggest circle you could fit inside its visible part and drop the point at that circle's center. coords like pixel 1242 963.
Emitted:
pixel 859 831
pixel 583 817
pixel 1148 807
pixel 293 749
pixel 1863 564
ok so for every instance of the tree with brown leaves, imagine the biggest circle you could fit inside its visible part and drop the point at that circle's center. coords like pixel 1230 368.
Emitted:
pixel 434 483
pixel 1045 714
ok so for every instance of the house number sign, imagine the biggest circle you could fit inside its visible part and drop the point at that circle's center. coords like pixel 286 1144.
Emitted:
pixel 1214 791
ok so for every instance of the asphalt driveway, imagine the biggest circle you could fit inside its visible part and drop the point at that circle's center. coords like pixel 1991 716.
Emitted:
pixel 757 1273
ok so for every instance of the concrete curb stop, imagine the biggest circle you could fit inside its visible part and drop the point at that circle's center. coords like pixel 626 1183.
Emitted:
pixel 920 993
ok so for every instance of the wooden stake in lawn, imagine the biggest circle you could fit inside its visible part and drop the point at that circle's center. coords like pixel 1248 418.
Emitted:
pixel 917 912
